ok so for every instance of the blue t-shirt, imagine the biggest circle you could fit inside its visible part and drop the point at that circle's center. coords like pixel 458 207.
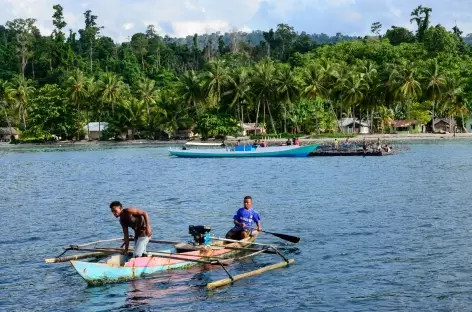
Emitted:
pixel 248 216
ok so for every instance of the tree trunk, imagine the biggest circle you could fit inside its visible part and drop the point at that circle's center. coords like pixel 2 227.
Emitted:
pixel 353 120
pixel 409 116
pixel 432 117
pixel 464 128
pixel 285 118
pixel 22 109
pixel 91 54
pixel 270 116
pixel 257 112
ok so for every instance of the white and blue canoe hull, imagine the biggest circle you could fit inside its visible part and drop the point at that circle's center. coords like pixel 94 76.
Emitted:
pixel 271 151
pixel 100 273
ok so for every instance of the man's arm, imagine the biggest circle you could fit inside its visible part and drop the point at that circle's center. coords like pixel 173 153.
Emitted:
pixel 126 237
pixel 236 218
pixel 241 224
pixel 259 228
pixel 139 212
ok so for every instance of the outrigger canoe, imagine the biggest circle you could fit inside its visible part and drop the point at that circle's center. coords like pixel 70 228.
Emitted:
pixel 117 267
pixel 246 151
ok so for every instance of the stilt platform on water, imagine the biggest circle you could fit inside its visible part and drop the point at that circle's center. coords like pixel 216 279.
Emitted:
pixel 349 153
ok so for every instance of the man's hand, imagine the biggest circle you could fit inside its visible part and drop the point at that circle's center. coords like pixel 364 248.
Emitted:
pixel 259 229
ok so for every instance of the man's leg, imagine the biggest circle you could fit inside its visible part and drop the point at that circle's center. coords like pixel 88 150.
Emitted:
pixel 140 246
pixel 245 234
pixel 234 234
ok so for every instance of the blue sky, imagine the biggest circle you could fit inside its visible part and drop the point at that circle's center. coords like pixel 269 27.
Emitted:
pixel 122 18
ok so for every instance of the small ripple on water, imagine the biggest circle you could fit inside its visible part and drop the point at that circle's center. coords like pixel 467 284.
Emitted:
pixel 368 242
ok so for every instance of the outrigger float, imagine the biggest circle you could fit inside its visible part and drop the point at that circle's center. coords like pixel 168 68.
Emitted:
pixel 110 265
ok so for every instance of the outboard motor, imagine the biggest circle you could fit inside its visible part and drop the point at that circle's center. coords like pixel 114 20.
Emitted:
pixel 200 233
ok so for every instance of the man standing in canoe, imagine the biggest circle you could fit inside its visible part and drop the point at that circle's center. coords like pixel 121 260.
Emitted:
pixel 244 220
pixel 136 219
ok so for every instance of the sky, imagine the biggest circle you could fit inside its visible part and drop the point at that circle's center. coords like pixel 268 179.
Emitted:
pixel 179 18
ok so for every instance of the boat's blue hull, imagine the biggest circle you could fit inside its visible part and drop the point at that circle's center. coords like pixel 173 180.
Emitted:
pixel 100 273
pixel 274 151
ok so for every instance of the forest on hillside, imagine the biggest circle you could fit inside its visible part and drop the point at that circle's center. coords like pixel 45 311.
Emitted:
pixel 286 81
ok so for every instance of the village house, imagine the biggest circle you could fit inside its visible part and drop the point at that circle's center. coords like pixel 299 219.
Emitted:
pixel 445 125
pixel 253 129
pixel 94 129
pixel 403 126
pixel 184 134
pixel 7 133
pixel 348 125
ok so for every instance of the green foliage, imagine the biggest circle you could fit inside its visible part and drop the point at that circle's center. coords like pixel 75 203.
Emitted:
pixel 211 125
pixel 49 113
pixel 151 87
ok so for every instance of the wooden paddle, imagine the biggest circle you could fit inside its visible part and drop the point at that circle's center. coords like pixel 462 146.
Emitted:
pixel 290 238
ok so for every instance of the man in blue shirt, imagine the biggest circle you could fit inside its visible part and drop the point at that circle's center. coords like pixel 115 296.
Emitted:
pixel 244 221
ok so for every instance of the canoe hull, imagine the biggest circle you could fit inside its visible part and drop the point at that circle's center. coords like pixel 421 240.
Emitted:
pixel 96 273
pixel 274 151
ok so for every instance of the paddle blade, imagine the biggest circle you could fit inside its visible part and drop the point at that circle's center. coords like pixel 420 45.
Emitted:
pixel 290 238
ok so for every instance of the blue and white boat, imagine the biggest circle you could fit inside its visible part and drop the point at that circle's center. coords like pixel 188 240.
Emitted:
pixel 246 151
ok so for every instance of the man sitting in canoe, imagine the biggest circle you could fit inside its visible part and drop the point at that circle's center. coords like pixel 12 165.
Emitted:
pixel 136 219
pixel 244 220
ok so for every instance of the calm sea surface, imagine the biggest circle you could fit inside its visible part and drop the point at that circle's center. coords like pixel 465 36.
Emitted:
pixel 377 233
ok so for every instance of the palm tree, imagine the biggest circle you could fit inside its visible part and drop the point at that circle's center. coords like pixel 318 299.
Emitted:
pixel 456 103
pixel 314 85
pixel 353 93
pixel 134 113
pixel 216 76
pixel 264 86
pixel 371 100
pixel 287 89
pixel 77 90
pixel 386 116
pixel 148 94
pixel 190 89
pixel 110 89
pixel 434 84
pixel 172 115
pixel 239 89
pixel 410 88
pixel 19 91
pixel 4 103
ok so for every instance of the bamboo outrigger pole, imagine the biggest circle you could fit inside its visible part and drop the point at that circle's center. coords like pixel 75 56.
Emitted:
pixel 238 277
pixel 76 257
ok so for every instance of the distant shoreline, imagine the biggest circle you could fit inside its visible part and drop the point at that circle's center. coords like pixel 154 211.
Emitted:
pixel 388 138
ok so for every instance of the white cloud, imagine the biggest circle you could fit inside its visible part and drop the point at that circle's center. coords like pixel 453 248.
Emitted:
pixel 187 28
pixel 128 26
pixel 352 16
pixel 340 2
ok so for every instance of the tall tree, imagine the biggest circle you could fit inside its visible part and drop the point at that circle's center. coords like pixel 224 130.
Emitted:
pixel 376 28
pixel 148 94
pixel 420 16
pixel 24 30
pixel 409 89
pixel 434 84
pixel 19 91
